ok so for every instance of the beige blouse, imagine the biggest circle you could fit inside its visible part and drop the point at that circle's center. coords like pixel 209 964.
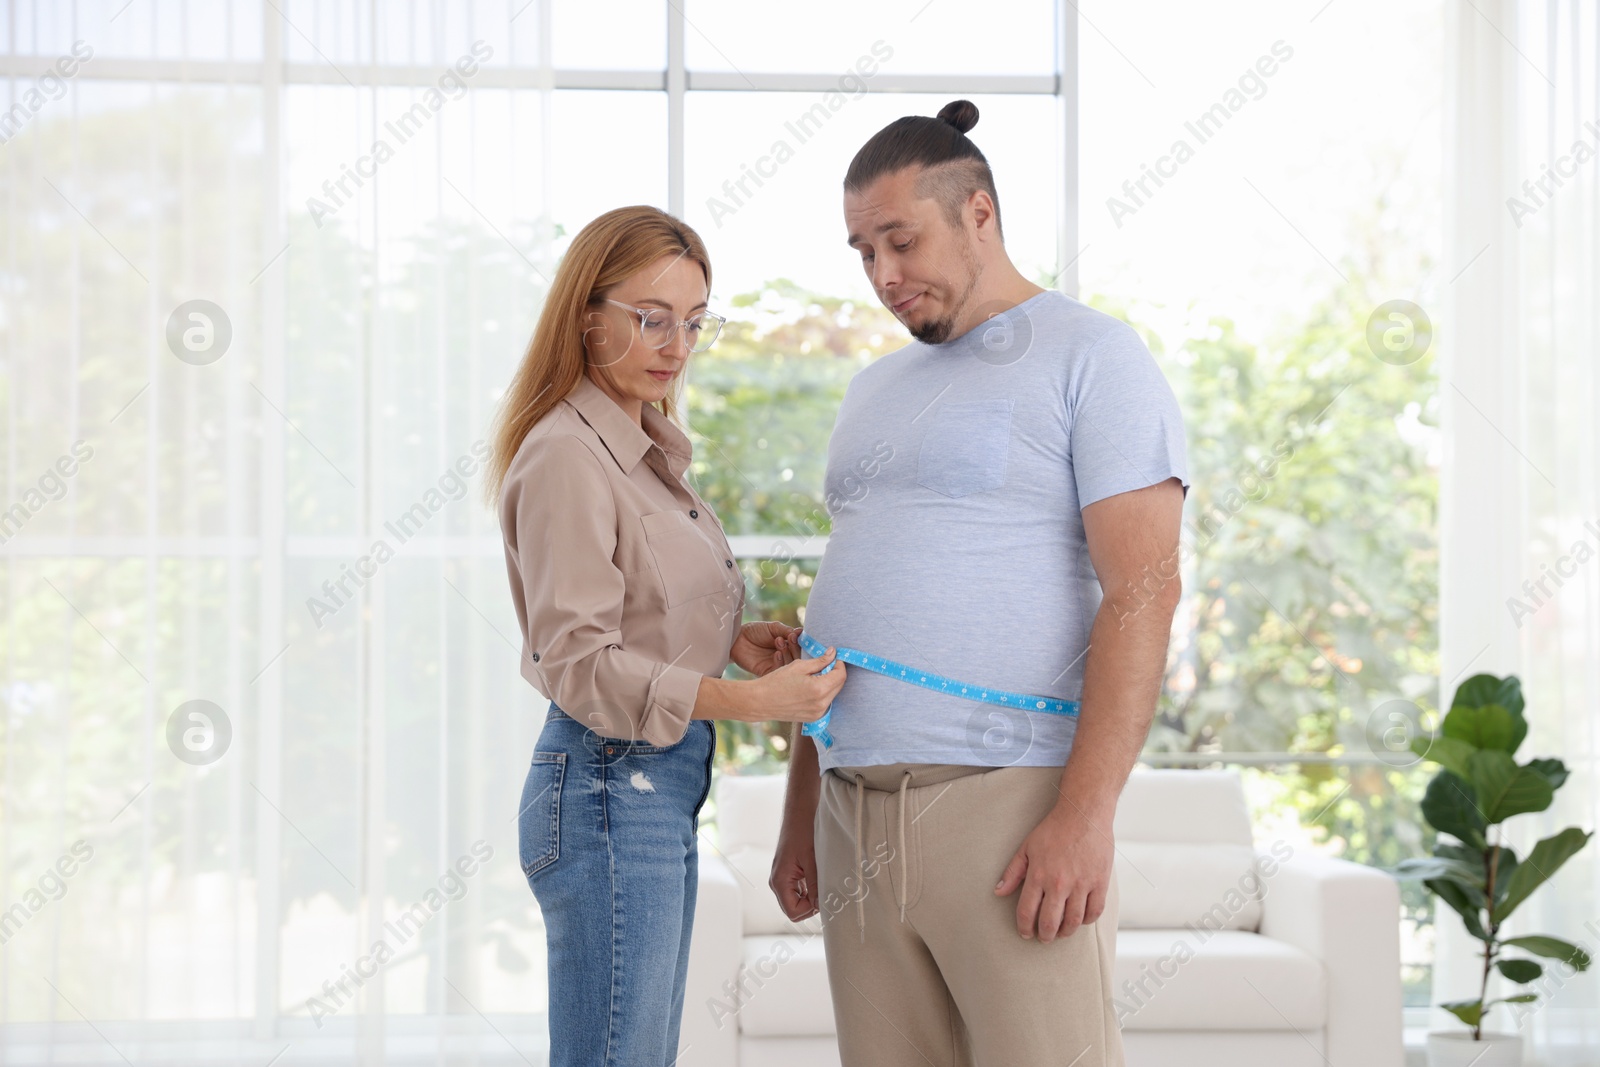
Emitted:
pixel 625 587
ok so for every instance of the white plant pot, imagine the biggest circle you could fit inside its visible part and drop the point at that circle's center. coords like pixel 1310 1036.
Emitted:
pixel 1456 1048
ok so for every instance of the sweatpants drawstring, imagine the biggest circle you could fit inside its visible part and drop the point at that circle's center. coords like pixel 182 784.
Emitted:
pixel 861 889
pixel 904 780
pixel 861 870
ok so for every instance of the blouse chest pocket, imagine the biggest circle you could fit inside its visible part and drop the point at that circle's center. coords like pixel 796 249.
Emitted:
pixel 688 566
pixel 964 449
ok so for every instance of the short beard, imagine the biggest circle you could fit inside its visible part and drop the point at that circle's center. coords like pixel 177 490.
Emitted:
pixel 938 331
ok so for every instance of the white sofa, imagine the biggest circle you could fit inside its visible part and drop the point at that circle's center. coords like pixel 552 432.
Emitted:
pixel 1229 954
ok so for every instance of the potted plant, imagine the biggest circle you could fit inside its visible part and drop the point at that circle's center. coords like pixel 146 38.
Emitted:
pixel 1479 786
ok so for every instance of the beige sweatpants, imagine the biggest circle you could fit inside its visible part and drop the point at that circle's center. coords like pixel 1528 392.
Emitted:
pixel 951 984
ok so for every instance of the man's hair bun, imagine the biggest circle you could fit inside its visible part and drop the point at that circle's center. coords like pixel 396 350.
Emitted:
pixel 954 167
pixel 962 114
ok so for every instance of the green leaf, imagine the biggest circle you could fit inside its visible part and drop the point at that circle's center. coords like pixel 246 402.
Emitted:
pixel 1463 853
pixel 1483 689
pixel 1426 868
pixel 1551 948
pixel 1519 971
pixel 1505 789
pixel 1468 1011
pixel 1545 860
pixel 1553 770
pixel 1490 727
pixel 1449 752
pixel 1520 998
pixel 1450 806
pixel 1467 903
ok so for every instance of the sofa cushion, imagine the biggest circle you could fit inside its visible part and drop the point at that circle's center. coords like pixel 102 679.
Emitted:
pixel 749 809
pixel 783 988
pixel 1229 1048
pixel 760 913
pixel 1163 980
pixel 749 813
pixel 1185 851
pixel 1170 885
pixel 1203 980
pixel 1183 807
pixel 788 1052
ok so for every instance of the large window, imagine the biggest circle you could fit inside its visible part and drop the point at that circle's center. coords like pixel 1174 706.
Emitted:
pixel 267 268
pixel 1260 209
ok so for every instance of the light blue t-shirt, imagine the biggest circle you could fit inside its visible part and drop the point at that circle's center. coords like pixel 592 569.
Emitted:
pixel 956 475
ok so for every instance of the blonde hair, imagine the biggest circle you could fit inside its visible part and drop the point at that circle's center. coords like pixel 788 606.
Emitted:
pixel 605 253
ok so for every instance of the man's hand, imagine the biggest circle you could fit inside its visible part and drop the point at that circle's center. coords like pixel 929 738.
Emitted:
pixel 1064 869
pixel 762 647
pixel 794 870
pixel 1064 865
pixel 794 865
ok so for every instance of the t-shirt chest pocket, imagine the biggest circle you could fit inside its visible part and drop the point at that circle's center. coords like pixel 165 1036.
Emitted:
pixel 685 560
pixel 964 449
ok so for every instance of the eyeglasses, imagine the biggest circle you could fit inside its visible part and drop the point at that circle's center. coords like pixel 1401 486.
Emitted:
pixel 658 328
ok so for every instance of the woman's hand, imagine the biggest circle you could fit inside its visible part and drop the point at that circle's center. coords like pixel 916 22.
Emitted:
pixel 796 691
pixel 763 647
pixel 799 691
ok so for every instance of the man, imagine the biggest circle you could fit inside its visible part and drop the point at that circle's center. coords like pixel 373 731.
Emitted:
pixel 1006 496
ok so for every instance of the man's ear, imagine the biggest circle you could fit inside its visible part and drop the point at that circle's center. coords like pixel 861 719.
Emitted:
pixel 981 209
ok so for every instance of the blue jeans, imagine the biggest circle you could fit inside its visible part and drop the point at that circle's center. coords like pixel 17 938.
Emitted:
pixel 607 833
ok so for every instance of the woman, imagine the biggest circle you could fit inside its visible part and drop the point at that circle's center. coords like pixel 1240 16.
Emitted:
pixel 630 605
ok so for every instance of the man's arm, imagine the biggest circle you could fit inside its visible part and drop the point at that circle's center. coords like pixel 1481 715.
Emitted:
pixel 1064 865
pixel 794 864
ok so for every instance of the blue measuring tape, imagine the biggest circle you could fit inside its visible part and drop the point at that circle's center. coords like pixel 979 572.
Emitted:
pixel 937 682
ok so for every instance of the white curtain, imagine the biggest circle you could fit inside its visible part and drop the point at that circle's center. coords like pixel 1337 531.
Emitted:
pixel 368 196
pixel 196 493
pixel 1521 493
